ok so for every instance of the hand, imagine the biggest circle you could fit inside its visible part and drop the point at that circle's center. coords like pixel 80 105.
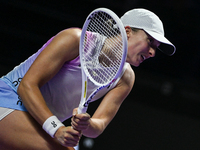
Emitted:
pixel 80 121
pixel 67 136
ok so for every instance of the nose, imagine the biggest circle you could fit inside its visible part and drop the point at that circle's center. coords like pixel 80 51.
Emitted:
pixel 152 52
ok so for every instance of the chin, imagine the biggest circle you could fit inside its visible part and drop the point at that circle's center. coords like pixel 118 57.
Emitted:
pixel 135 64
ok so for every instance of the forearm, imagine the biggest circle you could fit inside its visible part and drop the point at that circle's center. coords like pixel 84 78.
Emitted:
pixel 34 102
pixel 95 128
pixel 36 106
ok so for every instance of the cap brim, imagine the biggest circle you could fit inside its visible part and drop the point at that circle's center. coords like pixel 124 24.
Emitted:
pixel 166 46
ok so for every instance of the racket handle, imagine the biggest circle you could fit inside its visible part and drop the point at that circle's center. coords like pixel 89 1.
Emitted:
pixel 81 109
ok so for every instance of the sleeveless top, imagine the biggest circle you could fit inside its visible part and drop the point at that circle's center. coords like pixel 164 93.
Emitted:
pixel 62 93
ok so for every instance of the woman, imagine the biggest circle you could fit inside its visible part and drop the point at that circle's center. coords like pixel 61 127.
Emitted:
pixel 42 92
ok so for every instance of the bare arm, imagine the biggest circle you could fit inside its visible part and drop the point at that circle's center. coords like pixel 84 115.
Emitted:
pixel 64 47
pixel 107 109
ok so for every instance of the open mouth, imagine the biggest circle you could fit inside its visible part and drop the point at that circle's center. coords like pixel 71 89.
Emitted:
pixel 143 58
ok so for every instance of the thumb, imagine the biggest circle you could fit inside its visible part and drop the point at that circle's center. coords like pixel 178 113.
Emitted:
pixel 75 111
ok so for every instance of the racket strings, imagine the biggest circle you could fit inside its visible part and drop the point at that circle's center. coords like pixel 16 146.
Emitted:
pixel 109 29
pixel 110 59
pixel 118 49
pixel 104 52
pixel 105 25
pixel 111 68
pixel 106 59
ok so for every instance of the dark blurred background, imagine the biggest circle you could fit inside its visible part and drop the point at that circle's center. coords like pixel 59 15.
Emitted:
pixel 163 110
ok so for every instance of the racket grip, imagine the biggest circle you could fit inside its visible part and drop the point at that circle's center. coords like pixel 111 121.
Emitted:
pixel 81 109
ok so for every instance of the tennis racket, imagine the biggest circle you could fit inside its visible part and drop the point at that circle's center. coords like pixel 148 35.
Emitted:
pixel 102 50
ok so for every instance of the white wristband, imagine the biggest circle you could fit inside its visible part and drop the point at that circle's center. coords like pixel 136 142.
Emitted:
pixel 51 125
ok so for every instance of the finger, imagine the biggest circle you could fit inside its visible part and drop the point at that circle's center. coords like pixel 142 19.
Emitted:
pixel 80 120
pixel 74 125
pixel 72 139
pixel 79 124
pixel 83 117
pixel 70 143
pixel 80 127
pixel 75 132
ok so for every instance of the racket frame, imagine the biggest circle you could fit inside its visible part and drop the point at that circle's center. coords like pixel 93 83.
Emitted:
pixel 85 75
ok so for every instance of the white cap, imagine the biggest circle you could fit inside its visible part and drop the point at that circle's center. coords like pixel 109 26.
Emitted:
pixel 150 23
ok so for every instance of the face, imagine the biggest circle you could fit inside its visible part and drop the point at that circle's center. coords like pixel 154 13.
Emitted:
pixel 141 46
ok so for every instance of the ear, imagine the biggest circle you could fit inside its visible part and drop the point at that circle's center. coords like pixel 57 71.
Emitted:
pixel 128 30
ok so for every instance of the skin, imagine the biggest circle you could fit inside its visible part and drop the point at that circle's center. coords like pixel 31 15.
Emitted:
pixel 64 47
pixel 141 46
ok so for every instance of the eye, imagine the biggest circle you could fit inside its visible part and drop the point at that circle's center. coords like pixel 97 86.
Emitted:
pixel 151 40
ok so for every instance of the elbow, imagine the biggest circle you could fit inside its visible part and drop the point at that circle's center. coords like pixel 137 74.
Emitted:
pixel 23 87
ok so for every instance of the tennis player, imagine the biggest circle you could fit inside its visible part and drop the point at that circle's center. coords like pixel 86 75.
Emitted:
pixel 45 90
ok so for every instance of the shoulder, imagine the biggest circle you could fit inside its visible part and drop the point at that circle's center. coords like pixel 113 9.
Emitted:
pixel 71 31
pixel 69 34
pixel 129 71
pixel 128 78
pixel 66 43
